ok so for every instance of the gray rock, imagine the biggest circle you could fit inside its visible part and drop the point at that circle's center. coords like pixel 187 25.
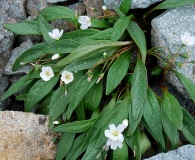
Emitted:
pixel 91 5
pixel 111 4
pixel 4 83
pixel 11 11
pixel 15 54
pixel 55 1
pixel 166 32
pixel 33 7
pixel 186 152
pixel 65 25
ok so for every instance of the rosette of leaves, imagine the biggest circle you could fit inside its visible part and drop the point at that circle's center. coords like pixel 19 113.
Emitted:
pixel 109 85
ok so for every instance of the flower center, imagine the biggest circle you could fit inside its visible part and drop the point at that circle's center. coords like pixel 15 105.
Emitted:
pixel 115 133
pixel 47 74
pixel 67 76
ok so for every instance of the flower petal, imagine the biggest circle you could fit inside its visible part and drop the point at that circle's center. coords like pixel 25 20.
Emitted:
pixel 112 127
pixel 120 128
pixel 108 133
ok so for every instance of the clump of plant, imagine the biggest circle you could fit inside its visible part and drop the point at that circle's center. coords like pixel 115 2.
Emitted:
pixel 93 83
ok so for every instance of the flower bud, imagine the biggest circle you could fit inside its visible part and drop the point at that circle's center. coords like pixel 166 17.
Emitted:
pixel 56 122
pixel 55 56
pixel 179 64
pixel 104 8
pixel 185 55
pixel 193 61
pixel 125 123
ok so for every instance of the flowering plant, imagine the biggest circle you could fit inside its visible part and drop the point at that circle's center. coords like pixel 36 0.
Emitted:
pixel 96 77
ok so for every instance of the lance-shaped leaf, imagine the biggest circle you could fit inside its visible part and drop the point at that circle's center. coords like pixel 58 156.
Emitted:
pixel 152 116
pixel 139 88
pixel 103 35
pixel 20 84
pixel 81 36
pixel 29 55
pixel 169 4
pixel 24 27
pixel 64 145
pixel 38 91
pixel 95 23
pixel 172 109
pixel 57 12
pixel 90 61
pixel 81 89
pixel 93 98
pixel 76 148
pixel 61 46
pixel 88 48
pixel 76 126
pixel 119 27
pixel 117 71
pixel 45 29
pixel 125 6
pixel 189 85
pixel 188 127
pixel 138 36
pixel 170 130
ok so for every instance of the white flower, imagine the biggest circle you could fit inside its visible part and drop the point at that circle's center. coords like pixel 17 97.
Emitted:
pixel 85 22
pixel 187 39
pixel 105 147
pixel 55 56
pixel 114 144
pixel 125 123
pixel 115 133
pixel 56 122
pixel 47 73
pixel 104 8
pixel 56 34
pixel 67 77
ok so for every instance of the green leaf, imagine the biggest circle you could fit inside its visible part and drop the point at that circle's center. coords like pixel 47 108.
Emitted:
pixel 169 4
pixel 172 109
pixel 138 36
pixel 188 129
pixel 133 143
pixel 170 130
pixel 90 61
pixel 81 36
pixel 189 85
pixel 24 27
pixel 45 29
pixel 61 46
pixel 119 27
pixel 20 84
pixel 134 122
pixel 29 55
pixel 57 12
pixel 38 91
pixel 82 87
pixel 86 49
pixel 101 120
pixel 152 116
pixel 139 88
pixel 58 107
pixel 144 142
pixel 95 23
pixel 75 127
pixel 117 71
pixel 76 149
pixel 103 35
pixel 125 6
pixel 122 153
pixel 64 145
pixel 93 97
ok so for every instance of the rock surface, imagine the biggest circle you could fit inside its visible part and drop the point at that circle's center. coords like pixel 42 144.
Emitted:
pixel 183 153
pixel 4 83
pixel 97 5
pixel 10 11
pixel 25 136
pixel 15 54
pixel 166 32
pixel 111 4
pixel 55 1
